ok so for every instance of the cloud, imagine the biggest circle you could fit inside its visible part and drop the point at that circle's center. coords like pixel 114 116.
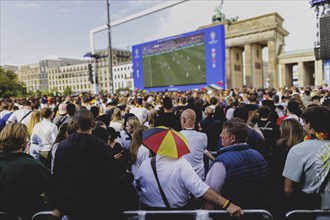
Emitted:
pixel 28 5
pixel 182 18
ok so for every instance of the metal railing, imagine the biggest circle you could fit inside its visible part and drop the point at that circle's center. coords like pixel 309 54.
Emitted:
pixel 307 214
pixel 8 216
pixel 255 214
pixel 43 215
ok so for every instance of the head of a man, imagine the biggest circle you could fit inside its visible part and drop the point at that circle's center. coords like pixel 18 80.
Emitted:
pixel 83 121
pixel 209 111
pixel 234 131
pixel 317 119
pixel 13 137
pixel 167 103
pixel 188 118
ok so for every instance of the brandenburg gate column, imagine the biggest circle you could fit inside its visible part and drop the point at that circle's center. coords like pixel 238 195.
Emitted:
pixel 272 64
pixel 229 70
pixel 236 67
pixel 248 65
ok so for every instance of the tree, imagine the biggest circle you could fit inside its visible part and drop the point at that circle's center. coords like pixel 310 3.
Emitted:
pixel 67 91
pixel 9 84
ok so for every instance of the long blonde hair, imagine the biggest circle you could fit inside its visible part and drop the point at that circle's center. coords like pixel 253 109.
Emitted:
pixel 136 143
pixel 35 118
pixel 291 133
pixel 134 122
pixel 151 117
pixel 116 115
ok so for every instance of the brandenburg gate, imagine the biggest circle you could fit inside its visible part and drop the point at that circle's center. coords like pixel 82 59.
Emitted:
pixel 250 36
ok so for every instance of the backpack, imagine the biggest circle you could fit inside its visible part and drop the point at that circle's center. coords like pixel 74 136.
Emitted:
pixel 4 120
pixel 60 122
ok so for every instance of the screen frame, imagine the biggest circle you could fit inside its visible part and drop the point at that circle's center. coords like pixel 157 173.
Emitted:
pixel 215 60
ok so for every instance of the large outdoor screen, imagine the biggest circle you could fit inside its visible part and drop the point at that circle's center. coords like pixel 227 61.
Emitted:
pixel 187 61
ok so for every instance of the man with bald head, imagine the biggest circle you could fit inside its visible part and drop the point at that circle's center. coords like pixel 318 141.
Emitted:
pixel 197 142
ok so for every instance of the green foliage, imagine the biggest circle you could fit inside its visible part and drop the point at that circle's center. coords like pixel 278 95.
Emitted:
pixel 126 89
pixel 67 91
pixel 9 84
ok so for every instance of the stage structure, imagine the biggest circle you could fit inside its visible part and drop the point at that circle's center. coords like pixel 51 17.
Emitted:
pixel 186 61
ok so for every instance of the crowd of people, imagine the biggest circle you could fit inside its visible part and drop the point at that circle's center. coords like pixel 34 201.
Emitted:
pixel 83 156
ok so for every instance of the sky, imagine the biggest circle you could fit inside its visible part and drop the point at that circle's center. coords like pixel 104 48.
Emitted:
pixel 47 29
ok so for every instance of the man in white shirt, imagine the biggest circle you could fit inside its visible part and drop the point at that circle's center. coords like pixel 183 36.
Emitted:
pixel 139 111
pixel 177 178
pixel 43 135
pixel 197 142
pixel 23 115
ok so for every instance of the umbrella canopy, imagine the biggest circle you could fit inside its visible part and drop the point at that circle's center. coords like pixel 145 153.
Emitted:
pixel 165 141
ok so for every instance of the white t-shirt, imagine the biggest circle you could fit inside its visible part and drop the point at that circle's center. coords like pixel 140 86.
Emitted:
pixel 18 115
pixel 44 133
pixel 177 178
pixel 308 164
pixel 197 142
pixel 142 155
pixel 118 126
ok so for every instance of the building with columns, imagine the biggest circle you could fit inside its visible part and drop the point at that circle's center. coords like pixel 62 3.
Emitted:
pixel 245 41
pixel 310 71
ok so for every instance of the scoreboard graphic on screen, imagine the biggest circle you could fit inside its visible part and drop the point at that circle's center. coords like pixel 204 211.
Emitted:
pixel 187 61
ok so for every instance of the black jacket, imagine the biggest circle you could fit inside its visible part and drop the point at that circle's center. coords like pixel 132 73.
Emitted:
pixel 22 180
pixel 86 178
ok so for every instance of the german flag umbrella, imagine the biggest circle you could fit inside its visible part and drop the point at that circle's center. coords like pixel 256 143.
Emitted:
pixel 165 141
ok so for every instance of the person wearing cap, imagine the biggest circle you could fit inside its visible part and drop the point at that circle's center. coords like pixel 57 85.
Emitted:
pixel 178 181
pixel 61 118
pixel 293 111
pixel 239 173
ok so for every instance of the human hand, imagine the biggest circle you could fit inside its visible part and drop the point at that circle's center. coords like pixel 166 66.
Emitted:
pixel 118 156
pixel 56 213
pixel 234 210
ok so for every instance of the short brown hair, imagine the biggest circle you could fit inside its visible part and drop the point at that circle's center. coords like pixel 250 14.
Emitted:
pixel 13 137
pixel 83 120
pixel 238 128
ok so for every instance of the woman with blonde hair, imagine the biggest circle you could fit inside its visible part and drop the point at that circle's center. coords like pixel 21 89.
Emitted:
pixel 35 118
pixel 138 152
pixel 291 133
pixel 22 178
pixel 116 121
pixel 131 122
pixel 150 123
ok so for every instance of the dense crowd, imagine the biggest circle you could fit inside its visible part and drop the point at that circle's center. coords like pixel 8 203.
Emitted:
pixel 83 156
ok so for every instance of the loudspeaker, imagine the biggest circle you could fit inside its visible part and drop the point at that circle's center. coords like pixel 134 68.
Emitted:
pixel 317 53
pixel 325 37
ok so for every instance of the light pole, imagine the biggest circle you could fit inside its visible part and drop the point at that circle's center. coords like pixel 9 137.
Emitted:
pixel 109 49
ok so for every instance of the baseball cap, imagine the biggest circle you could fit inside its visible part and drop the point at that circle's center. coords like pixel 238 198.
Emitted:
pixel 62 109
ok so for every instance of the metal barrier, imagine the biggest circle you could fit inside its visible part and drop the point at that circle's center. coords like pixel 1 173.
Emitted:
pixel 43 215
pixel 254 214
pixel 308 214
pixel 7 216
